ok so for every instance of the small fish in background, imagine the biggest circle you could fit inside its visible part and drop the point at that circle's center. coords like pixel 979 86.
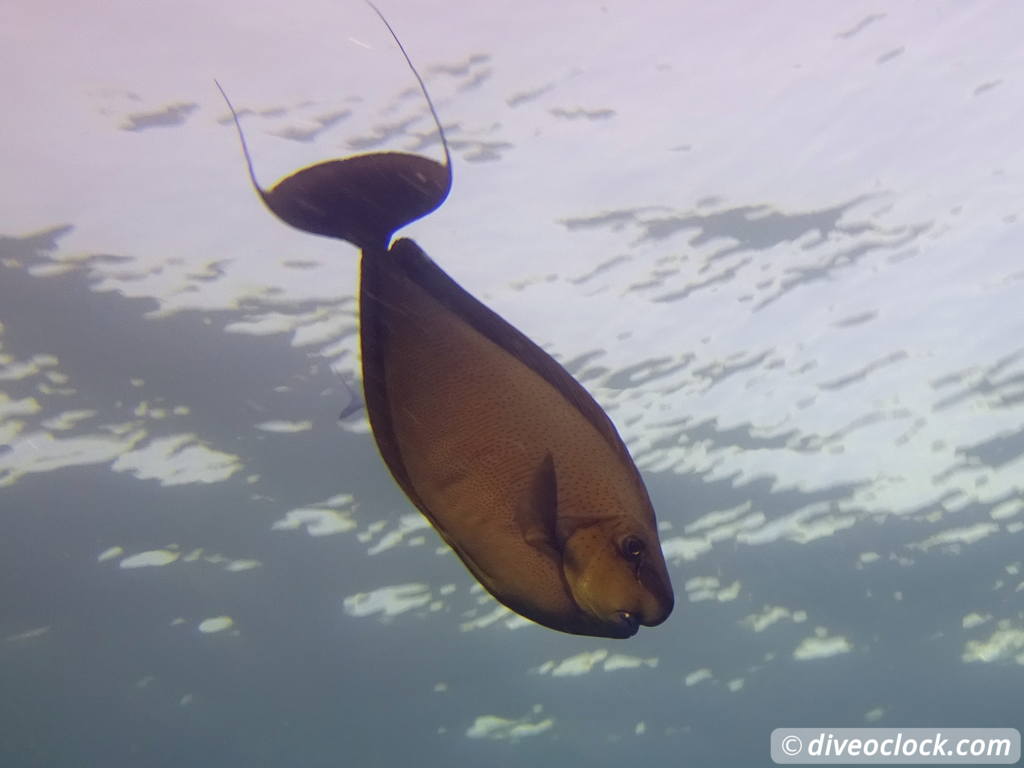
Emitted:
pixel 355 403
pixel 516 466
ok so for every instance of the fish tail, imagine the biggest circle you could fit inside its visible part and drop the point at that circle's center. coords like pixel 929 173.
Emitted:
pixel 363 199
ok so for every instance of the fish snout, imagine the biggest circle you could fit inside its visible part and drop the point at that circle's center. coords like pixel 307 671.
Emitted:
pixel 626 623
pixel 650 613
pixel 659 600
pixel 661 612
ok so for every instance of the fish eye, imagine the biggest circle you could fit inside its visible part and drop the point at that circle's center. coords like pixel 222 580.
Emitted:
pixel 633 548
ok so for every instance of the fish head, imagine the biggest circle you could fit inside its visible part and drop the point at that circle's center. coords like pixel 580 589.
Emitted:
pixel 617 575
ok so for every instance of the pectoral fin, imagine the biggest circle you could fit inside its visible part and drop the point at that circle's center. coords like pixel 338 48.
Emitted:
pixel 538 514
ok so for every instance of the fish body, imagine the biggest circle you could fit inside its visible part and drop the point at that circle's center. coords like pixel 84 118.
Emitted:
pixel 505 453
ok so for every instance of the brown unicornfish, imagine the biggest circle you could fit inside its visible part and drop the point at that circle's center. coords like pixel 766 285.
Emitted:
pixel 511 460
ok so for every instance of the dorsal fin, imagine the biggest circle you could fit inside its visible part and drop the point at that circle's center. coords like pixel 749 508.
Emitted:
pixel 361 199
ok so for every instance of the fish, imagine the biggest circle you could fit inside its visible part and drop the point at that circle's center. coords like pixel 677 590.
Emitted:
pixel 512 461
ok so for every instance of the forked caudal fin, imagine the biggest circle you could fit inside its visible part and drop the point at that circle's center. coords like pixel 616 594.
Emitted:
pixel 363 199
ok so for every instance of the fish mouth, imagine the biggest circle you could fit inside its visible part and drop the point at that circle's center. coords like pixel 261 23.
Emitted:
pixel 627 622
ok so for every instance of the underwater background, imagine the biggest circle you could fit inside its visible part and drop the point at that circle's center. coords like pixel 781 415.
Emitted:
pixel 781 244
